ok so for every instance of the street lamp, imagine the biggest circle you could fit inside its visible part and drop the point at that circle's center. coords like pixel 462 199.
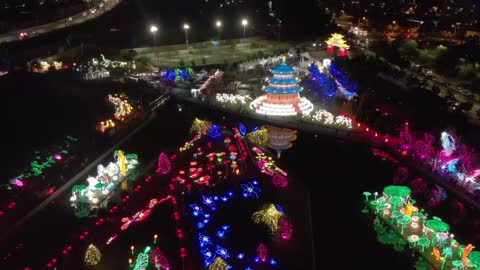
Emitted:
pixel 244 23
pixel 186 27
pixel 218 24
pixel 455 30
pixel 153 30
pixel 279 29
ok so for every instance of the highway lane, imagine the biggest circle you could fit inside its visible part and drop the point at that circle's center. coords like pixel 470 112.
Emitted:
pixel 67 22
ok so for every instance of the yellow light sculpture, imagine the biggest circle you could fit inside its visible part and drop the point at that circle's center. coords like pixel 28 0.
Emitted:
pixel 259 137
pixel 337 40
pixel 122 160
pixel 92 256
pixel 269 216
pixel 200 126
pixel 218 264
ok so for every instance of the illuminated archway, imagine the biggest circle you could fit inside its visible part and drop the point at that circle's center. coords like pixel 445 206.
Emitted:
pixel 337 40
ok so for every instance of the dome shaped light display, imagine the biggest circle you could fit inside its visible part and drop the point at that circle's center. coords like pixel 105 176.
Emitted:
pixel 282 94
pixel 280 139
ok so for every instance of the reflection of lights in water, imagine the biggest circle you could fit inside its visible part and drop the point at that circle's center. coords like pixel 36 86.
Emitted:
pixel 414 225
pixel 415 219
pixel 386 212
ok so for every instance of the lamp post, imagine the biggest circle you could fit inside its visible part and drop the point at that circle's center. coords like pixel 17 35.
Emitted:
pixel 153 30
pixel 455 26
pixel 218 24
pixel 186 27
pixel 244 23
pixel 279 29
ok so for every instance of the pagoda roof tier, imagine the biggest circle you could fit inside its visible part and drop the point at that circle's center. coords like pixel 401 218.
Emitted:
pixel 283 81
pixel 276 90
pixel 283 68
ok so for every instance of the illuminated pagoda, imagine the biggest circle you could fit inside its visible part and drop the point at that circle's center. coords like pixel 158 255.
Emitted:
pixel 280 139
pixel 282 94
pixel 337 40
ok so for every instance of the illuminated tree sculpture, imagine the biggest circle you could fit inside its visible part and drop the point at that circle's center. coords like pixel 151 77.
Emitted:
pixel 259 137
pixel 218 264
pixel 92 256
pixel 163 165
pixel 269 216
pixel 159 259
pixel 200 126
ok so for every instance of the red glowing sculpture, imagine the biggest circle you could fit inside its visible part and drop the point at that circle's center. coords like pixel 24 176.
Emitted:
pixel 163 165
pixel 158 258
pixel 286 228
pixel 262 252
pixel 280 181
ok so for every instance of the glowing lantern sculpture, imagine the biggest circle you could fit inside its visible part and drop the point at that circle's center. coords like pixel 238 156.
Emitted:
pixel 163 165
pixel 282 94
pixel 280 139
pixel 337 40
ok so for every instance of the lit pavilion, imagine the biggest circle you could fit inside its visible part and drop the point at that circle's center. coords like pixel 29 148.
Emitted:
pixel 282 94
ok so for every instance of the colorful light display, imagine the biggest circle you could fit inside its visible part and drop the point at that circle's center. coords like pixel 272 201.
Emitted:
pixel 266 164
pixel 43 161
pixel 177 75
pixel 409 224
pixel 122 106
pixel 210 236
pixel 282 94
pixel 338 41
pixel 123 110
pixel 100 186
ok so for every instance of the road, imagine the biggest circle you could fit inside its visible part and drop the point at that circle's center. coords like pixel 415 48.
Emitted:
pixel 67 22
